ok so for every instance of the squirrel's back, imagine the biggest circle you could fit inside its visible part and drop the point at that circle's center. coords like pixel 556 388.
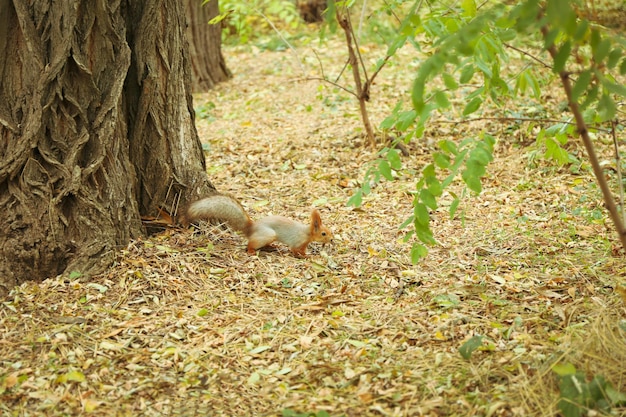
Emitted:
pixel 220 207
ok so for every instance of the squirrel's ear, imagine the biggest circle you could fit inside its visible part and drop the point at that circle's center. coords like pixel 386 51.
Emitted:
pixel 316 220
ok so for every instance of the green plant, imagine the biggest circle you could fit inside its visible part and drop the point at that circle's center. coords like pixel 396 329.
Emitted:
pixel 468 48
pixel 246 19
pixel 578 395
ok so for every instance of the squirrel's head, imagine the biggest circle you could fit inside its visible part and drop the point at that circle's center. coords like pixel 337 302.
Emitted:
pixel 320 233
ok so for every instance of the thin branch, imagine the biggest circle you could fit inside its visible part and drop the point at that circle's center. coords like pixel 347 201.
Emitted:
pixel 393 12
pixel 345 65
pixel 356 47
pixel 284 40
pixel 319 61
pixel 362 17
pixel 332 83
pixel 528 54
pixel 361 91
pixel 618 167
pixel 607 195
pixel 371 80
pixel 516 119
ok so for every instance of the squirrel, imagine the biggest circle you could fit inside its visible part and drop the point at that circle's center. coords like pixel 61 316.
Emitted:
pixel 263 232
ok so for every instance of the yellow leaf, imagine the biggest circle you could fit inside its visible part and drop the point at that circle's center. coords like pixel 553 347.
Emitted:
pixel 572 292
pixel 75 376
pixel 90 405
pixel 365 397
pixel 11 380
pixel 440 336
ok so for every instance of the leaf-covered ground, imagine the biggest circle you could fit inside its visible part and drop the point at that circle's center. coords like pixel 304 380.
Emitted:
pixel 186 323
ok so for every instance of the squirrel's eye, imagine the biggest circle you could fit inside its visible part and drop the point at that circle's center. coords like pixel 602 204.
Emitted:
pixel 323 233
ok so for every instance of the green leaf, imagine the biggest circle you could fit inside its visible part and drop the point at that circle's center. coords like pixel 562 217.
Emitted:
pixel 467 73
pixel 561 56
pixel 472 174
pixel 597 388
pixel 581 30
pixel 574 393
pixel 417 95
pixel 422 216
pixel 393 157
pixel 555 152
pixel 356 200
pixel 407 222
pixel 481 155
pixel 601 50
pixel 563 369
pixel 615 88
pixel 472 106
pixel 458 160
pixel 441 160
pixel 418 251
pixel 405 119
pixel 606 107
pixel 390 120
pixel 569 408
pixel 528 80
pixel 454 207
pixel 435 187
pixel 75 274
pixel 482 65
pixel 581 85
pixel 507 35
pixel 331 16
pixel 217 19
pixel 614 57
pixel 448 146
pixel 424 234
pixel 427 198
pixel 616 397
pixel 428 171
pixel 385 169
pixel 470 346
pixel 442 100
pixel 449 81
pixel 469 7
pixel 592 95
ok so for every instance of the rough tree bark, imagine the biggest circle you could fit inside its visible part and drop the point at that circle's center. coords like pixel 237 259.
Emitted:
pixel 96 130
pixel 208 66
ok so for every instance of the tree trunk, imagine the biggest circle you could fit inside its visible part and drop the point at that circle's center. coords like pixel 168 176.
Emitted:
pixel 96 127
pixel 312 11
pixel 208 66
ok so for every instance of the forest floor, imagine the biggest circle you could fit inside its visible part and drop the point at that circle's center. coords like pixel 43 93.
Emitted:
pixel 187 323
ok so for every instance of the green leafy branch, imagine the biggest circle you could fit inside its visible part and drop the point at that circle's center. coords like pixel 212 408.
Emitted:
pixel 468 50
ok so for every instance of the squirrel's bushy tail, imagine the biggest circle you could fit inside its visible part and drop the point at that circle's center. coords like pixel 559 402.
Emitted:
pixel 220 207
